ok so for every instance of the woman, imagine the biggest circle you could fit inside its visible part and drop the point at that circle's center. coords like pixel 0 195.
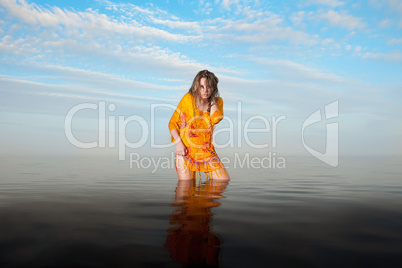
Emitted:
pixel 191 127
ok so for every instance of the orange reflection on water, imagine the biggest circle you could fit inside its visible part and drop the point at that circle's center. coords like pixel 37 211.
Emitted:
pixel 190 239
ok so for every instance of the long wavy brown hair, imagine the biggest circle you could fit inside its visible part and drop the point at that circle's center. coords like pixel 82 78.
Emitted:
pixel 212 82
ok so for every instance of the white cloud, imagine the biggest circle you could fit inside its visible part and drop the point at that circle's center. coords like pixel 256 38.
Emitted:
pixel 297 18
pixel 392 6
pixel 331 3
pixel 25 88
pixel 139 9
pixel 228 3
pixel 90 21
pixel 96 79
pixel 395 6
pixel 192 26
pixel 131 57
pixel 204 8
pixel 343 20
pixel 327 42
pixel 392 56
pixel 264 30
pixel 294 97
pixel 385 23
pixel 125 7
pixel 297 71
pixel 395 41
pixel 358 49
pixel 255 27
pixel 134 59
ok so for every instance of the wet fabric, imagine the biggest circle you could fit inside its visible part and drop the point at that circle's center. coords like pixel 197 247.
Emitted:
pixel 195 128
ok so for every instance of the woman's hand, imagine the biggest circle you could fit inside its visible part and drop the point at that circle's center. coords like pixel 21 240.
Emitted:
pixel 180 148
pixel 213 101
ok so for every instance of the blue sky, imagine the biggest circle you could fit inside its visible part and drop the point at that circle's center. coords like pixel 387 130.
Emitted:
pixel 278 58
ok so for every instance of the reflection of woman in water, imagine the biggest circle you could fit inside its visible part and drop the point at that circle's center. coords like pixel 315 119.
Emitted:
pixel 191 127
pixel 191 240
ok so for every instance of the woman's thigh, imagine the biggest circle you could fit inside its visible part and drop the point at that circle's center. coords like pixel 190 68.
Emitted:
pixel 221 175
pixel 182 171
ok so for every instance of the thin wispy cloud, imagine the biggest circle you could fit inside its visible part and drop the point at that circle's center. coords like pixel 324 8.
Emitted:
pixel 343 20
pixel 331 3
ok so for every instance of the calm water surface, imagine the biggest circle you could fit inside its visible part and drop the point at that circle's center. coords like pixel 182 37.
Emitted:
pixel 97 212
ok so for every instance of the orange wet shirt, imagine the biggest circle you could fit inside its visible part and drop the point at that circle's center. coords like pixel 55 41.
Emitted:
pixel 195 129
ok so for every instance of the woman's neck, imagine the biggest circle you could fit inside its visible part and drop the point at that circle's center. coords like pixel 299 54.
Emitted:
pixel 202 102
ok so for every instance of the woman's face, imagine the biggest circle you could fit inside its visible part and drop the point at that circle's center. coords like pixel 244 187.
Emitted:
pixel 204 91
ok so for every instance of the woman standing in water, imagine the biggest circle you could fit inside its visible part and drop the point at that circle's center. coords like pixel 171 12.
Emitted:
pixel 191 127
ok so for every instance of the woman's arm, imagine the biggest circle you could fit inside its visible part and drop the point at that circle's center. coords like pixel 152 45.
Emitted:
pixel 175 122
pixel 216 111
pixel 180 147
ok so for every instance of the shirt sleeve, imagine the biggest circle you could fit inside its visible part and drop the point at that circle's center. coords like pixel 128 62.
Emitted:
pixel 218 114
pixel 175 122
